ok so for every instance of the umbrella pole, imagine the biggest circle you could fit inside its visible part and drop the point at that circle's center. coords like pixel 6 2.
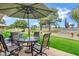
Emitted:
pixel 28 25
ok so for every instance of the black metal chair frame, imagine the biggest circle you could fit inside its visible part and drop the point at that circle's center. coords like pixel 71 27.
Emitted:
pixel 6 47
pixel 41 51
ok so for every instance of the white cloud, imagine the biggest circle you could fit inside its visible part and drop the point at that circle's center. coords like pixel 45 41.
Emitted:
pixel 63 13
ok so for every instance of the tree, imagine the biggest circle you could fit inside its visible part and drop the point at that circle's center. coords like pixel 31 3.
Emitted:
pixel 55 23
pixel 19 24
pixel 42 22
pixel 75 15
pixel 33 28
pixel 49 18
pixel 52 17
pixel 66 24
pixel 2 21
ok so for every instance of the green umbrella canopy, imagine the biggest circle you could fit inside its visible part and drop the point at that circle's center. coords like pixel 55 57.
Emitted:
pixel 25 10
pixel 21 10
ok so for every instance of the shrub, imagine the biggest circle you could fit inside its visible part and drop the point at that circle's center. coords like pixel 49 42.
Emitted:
pixel 6 34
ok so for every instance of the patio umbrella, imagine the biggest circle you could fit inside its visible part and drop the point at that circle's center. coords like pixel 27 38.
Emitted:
pixel 25 10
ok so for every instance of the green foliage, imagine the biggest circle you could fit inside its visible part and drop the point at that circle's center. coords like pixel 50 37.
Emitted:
pixel 19 24
pixel 6 34
pixel 47 20
pixel 25 35
pixel 75 14
pixel 33 29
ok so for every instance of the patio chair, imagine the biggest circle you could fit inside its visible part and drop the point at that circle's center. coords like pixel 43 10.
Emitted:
pixel 13 39
pixel 1 47
pixel 9 50
pixel 36 35
pixel 40 48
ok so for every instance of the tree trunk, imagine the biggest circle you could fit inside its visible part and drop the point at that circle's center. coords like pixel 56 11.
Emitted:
pixel 49 27
pixel 41 28
pixel 78 23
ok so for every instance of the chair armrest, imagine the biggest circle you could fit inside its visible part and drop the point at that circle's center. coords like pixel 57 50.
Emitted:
pixel 37 44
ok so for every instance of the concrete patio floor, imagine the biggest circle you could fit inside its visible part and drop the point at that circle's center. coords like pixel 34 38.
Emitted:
pixel 50 52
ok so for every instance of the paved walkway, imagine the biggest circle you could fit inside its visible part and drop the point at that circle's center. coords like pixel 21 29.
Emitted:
pixel 66 35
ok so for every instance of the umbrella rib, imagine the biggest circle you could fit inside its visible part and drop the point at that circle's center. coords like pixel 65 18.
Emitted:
pixel 34 7
pixel 25 5
pixel 19 4
pixel 34 4
pixel 33 13
pixel 43 9
pixel 24 14
pixel 40 13
pixel 16 12
pixel 9 8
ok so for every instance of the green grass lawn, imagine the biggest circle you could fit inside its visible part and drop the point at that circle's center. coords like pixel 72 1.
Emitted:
pixel 65 44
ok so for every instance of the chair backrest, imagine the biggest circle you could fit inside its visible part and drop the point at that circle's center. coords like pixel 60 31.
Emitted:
pixel 45 41
pixel 3 43
pixel 13 37
pixel 15 34
pixel 20 35
pixel 36 34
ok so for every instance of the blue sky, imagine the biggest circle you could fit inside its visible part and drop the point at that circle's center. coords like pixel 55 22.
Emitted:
pixel 63 10
pixel 62 5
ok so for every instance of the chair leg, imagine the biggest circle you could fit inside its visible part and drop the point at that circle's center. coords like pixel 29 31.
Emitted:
pixel 36 54
pixel 5 53
pixel 44 54
pixel 11 53
pixel 40 54
pixel 32 49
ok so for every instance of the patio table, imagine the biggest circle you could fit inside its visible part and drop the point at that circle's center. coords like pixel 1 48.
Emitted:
pixel 28 40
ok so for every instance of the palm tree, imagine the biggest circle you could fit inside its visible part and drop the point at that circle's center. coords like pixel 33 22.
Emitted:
pixel 75 15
